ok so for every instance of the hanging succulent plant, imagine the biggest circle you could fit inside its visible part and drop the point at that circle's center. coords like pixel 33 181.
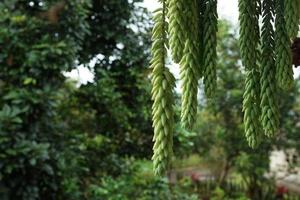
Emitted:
pixel 190 29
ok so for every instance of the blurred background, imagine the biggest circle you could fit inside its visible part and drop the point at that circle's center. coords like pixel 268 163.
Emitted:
pixel 75 112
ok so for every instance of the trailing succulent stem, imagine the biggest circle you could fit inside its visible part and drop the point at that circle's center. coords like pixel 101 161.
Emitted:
pixel 190 67
pixel 163 83
pixel 190 29
pixel 249 43
pixel 269 108
pixel 292 16
pixel 177 28
pixel 210 47
pixel 251 109
pixel 284 70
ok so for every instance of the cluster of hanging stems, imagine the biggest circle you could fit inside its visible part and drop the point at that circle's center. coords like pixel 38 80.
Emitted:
pixel 188 29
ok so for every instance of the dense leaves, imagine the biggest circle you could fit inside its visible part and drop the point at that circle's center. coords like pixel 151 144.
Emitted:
pixel 34 52
pixel 51 132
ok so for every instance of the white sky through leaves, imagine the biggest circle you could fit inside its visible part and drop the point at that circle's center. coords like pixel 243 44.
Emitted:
pixel 227 9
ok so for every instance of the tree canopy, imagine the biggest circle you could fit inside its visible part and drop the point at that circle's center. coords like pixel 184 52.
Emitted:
pixel 50 130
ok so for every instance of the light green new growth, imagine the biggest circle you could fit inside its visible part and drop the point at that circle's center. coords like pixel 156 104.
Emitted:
pixel 163 83
pixel 249 41
pixel 177 28
pixel 292 16
pixel 210 47
pixel 189 68
pixel 284 70
pixel 269 108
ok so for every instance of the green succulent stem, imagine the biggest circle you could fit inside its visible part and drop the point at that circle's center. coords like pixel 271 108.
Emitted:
pixel 163 83
pixel 292 16
pixel 210 47
pixel 283 61
pixel 190 67
pixel 269 106
pixel 177 28
pixel 249 43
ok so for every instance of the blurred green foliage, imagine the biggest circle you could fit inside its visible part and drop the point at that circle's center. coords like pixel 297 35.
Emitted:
pixel 56 140
pixel 34 52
